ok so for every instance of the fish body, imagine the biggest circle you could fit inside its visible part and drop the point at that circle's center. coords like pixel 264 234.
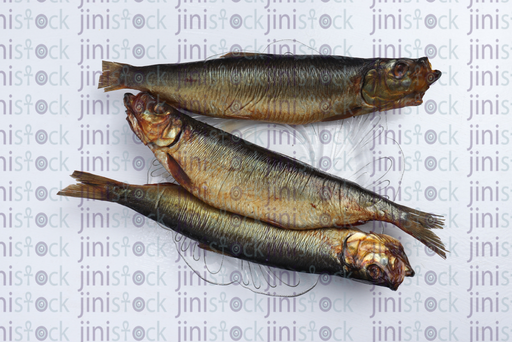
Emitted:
pixel 280 88
pixel 374 258
pixel 232 174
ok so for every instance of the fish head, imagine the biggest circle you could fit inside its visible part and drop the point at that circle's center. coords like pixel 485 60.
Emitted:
pixel 155 123
pixel 397 83
pixel 376 259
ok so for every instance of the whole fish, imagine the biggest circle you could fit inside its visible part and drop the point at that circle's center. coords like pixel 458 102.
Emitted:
pixel 374 258
pixel 232 174
pixel 289 89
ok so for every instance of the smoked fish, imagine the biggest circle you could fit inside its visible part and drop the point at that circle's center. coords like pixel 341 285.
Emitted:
pixel 373 258
pixel 291 89
pixel 232 174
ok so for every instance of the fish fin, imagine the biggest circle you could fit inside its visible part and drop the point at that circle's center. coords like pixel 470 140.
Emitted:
pixel 419 224
pixel 275 223
pixel 240 54
pixel 177 172
pixel 91 186
pixel 208 248
pixel 110 79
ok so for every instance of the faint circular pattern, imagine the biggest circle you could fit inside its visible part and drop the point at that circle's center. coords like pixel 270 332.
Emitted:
pixel 41 77
pixel 138 277
pixel 430 333
pixel 41 51
pixel 138 220
pixel 430 277
pixel 41 220
pixel 325 304
pixel 41 137
pixel 236 220
pixel 41 163
pixel 41 277
pixel 236 49
pixel 325 136
pixel 235 277
pixel 235 21
pixel 325 220
pixel 41 107
pixel 235 304
pixel 325 279
pixel 138 194
pixel 325 106
pixel 138 51
pixel 430 21
pixel 41 193
pixel 235 193
pixel 431 78
pixel 41 248
pixel 236 163
pixel 41 304
pixel 429 252
pixel 139 77
pixel 41 21
pixel 236 249
pixel 430 136
pixel 431 51
pixel 325 77
pixel 138 333
pixel 430 221
pixel 430 163
pixel 325 21
pixel 138 304
pixel 138 248
pixel 430 193
pixel 235 333
pixel 325 333
pixel 236 76
pixel 325 163
pixel 430 304
pixel 430 106
pixel 326 193
pixel 325 50
pixel 41 333
pixel 236 106
pixel 138 21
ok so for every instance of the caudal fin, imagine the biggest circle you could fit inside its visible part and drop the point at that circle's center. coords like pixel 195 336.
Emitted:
pixel 111 77
pixel 92 187
pixel 419 224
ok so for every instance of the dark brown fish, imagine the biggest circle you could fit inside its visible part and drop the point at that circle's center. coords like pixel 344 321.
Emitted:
pixel 232 174
pixel 374 258
pixel 280 88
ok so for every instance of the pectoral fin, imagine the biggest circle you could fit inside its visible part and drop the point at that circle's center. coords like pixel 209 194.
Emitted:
pixel 178 173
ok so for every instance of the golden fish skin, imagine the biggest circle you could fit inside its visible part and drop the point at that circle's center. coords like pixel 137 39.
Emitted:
pixel 374 258
pixel 232 174
pixel 280 88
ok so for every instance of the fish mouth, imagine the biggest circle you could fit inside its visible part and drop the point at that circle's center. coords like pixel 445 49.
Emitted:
pixel 434 76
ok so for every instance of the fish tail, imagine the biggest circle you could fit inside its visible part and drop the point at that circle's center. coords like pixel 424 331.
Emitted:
pixel 113 76
pixel 92 187
pixel 420 224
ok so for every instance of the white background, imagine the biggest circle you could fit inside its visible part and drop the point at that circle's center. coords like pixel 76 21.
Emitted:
pixel 439 303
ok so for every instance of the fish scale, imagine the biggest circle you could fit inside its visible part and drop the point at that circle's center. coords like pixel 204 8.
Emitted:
pixel 280 88
pixel 347 253
pixel 249 190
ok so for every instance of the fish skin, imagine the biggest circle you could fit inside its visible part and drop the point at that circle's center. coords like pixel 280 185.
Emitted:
pixel 374 258
pixel 232 174
pixel 287 89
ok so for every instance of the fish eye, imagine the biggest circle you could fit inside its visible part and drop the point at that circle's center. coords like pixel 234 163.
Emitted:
pixel 400 70
pixel 139 107
pixel 375 272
